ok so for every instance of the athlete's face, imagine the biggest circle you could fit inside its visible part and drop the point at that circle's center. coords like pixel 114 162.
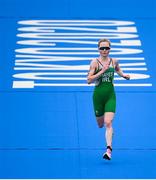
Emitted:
pixel 104 49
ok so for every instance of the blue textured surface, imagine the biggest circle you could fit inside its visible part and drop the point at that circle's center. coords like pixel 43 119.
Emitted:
pixel 51 132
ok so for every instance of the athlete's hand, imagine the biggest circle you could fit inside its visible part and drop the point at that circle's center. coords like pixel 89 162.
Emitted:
pixel 126 76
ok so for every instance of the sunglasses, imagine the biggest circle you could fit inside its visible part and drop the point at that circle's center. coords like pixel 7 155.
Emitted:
pixel 104 48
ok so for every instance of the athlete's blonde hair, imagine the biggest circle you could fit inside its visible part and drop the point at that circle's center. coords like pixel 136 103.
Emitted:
pixel 104 40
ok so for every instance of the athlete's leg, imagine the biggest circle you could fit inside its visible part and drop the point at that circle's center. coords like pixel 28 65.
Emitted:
pixel 98 109
pixel 100 121
pixel 110 108
pixel 108 118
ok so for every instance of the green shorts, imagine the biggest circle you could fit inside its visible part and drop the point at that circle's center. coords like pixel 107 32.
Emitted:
pixel 104 99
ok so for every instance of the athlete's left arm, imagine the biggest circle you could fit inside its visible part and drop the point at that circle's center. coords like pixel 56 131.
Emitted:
pixel 119 71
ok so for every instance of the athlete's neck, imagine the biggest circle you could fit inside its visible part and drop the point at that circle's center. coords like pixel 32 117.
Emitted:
pixel 104 58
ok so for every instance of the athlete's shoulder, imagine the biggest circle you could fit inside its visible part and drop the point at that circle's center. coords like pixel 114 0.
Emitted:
pixel 94 62
pixel 115 61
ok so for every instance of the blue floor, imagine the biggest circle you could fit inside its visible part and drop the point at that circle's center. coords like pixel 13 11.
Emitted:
pixel 47 125
pixel 77 164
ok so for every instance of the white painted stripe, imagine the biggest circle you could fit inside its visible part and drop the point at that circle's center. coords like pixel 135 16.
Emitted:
pixel 77 68
pixel 37 58
pixel 65 36
pixel 50 29
pixel 137 85
pixel 129 58
pixel 31 84
pixel 23 84
pixel 134 69
pixel 71 34
pixel 70 49
pixel 74 49
pixel 52 42
pixel 78 24
pixel 132 75
pixel 105 22
pixel 52 65
pixel 52 57
pixel 42 51
pixel 132 64
pixel 26 29
pixel 53 84
pixel 70 78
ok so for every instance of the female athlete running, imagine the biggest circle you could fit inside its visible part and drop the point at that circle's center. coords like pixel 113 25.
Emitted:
pixel 104 100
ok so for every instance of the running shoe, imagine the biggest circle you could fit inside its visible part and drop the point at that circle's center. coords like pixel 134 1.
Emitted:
pixel 107 155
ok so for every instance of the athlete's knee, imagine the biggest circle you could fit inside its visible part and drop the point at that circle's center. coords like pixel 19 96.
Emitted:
pixel 108 123
pixel 108 118
pixel 100 122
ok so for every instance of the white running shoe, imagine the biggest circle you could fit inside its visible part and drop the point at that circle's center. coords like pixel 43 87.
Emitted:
pixel 107 155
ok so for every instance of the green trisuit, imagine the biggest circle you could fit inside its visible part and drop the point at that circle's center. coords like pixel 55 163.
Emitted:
pixel 104 98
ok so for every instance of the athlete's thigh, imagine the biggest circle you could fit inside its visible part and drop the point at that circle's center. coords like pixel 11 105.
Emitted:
pixel 110 105
pixel 98 105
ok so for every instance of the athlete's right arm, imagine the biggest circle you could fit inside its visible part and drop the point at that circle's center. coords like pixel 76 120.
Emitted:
pixel 91 74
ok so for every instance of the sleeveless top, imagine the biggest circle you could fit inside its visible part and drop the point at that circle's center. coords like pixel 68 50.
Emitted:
pixel 108 76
